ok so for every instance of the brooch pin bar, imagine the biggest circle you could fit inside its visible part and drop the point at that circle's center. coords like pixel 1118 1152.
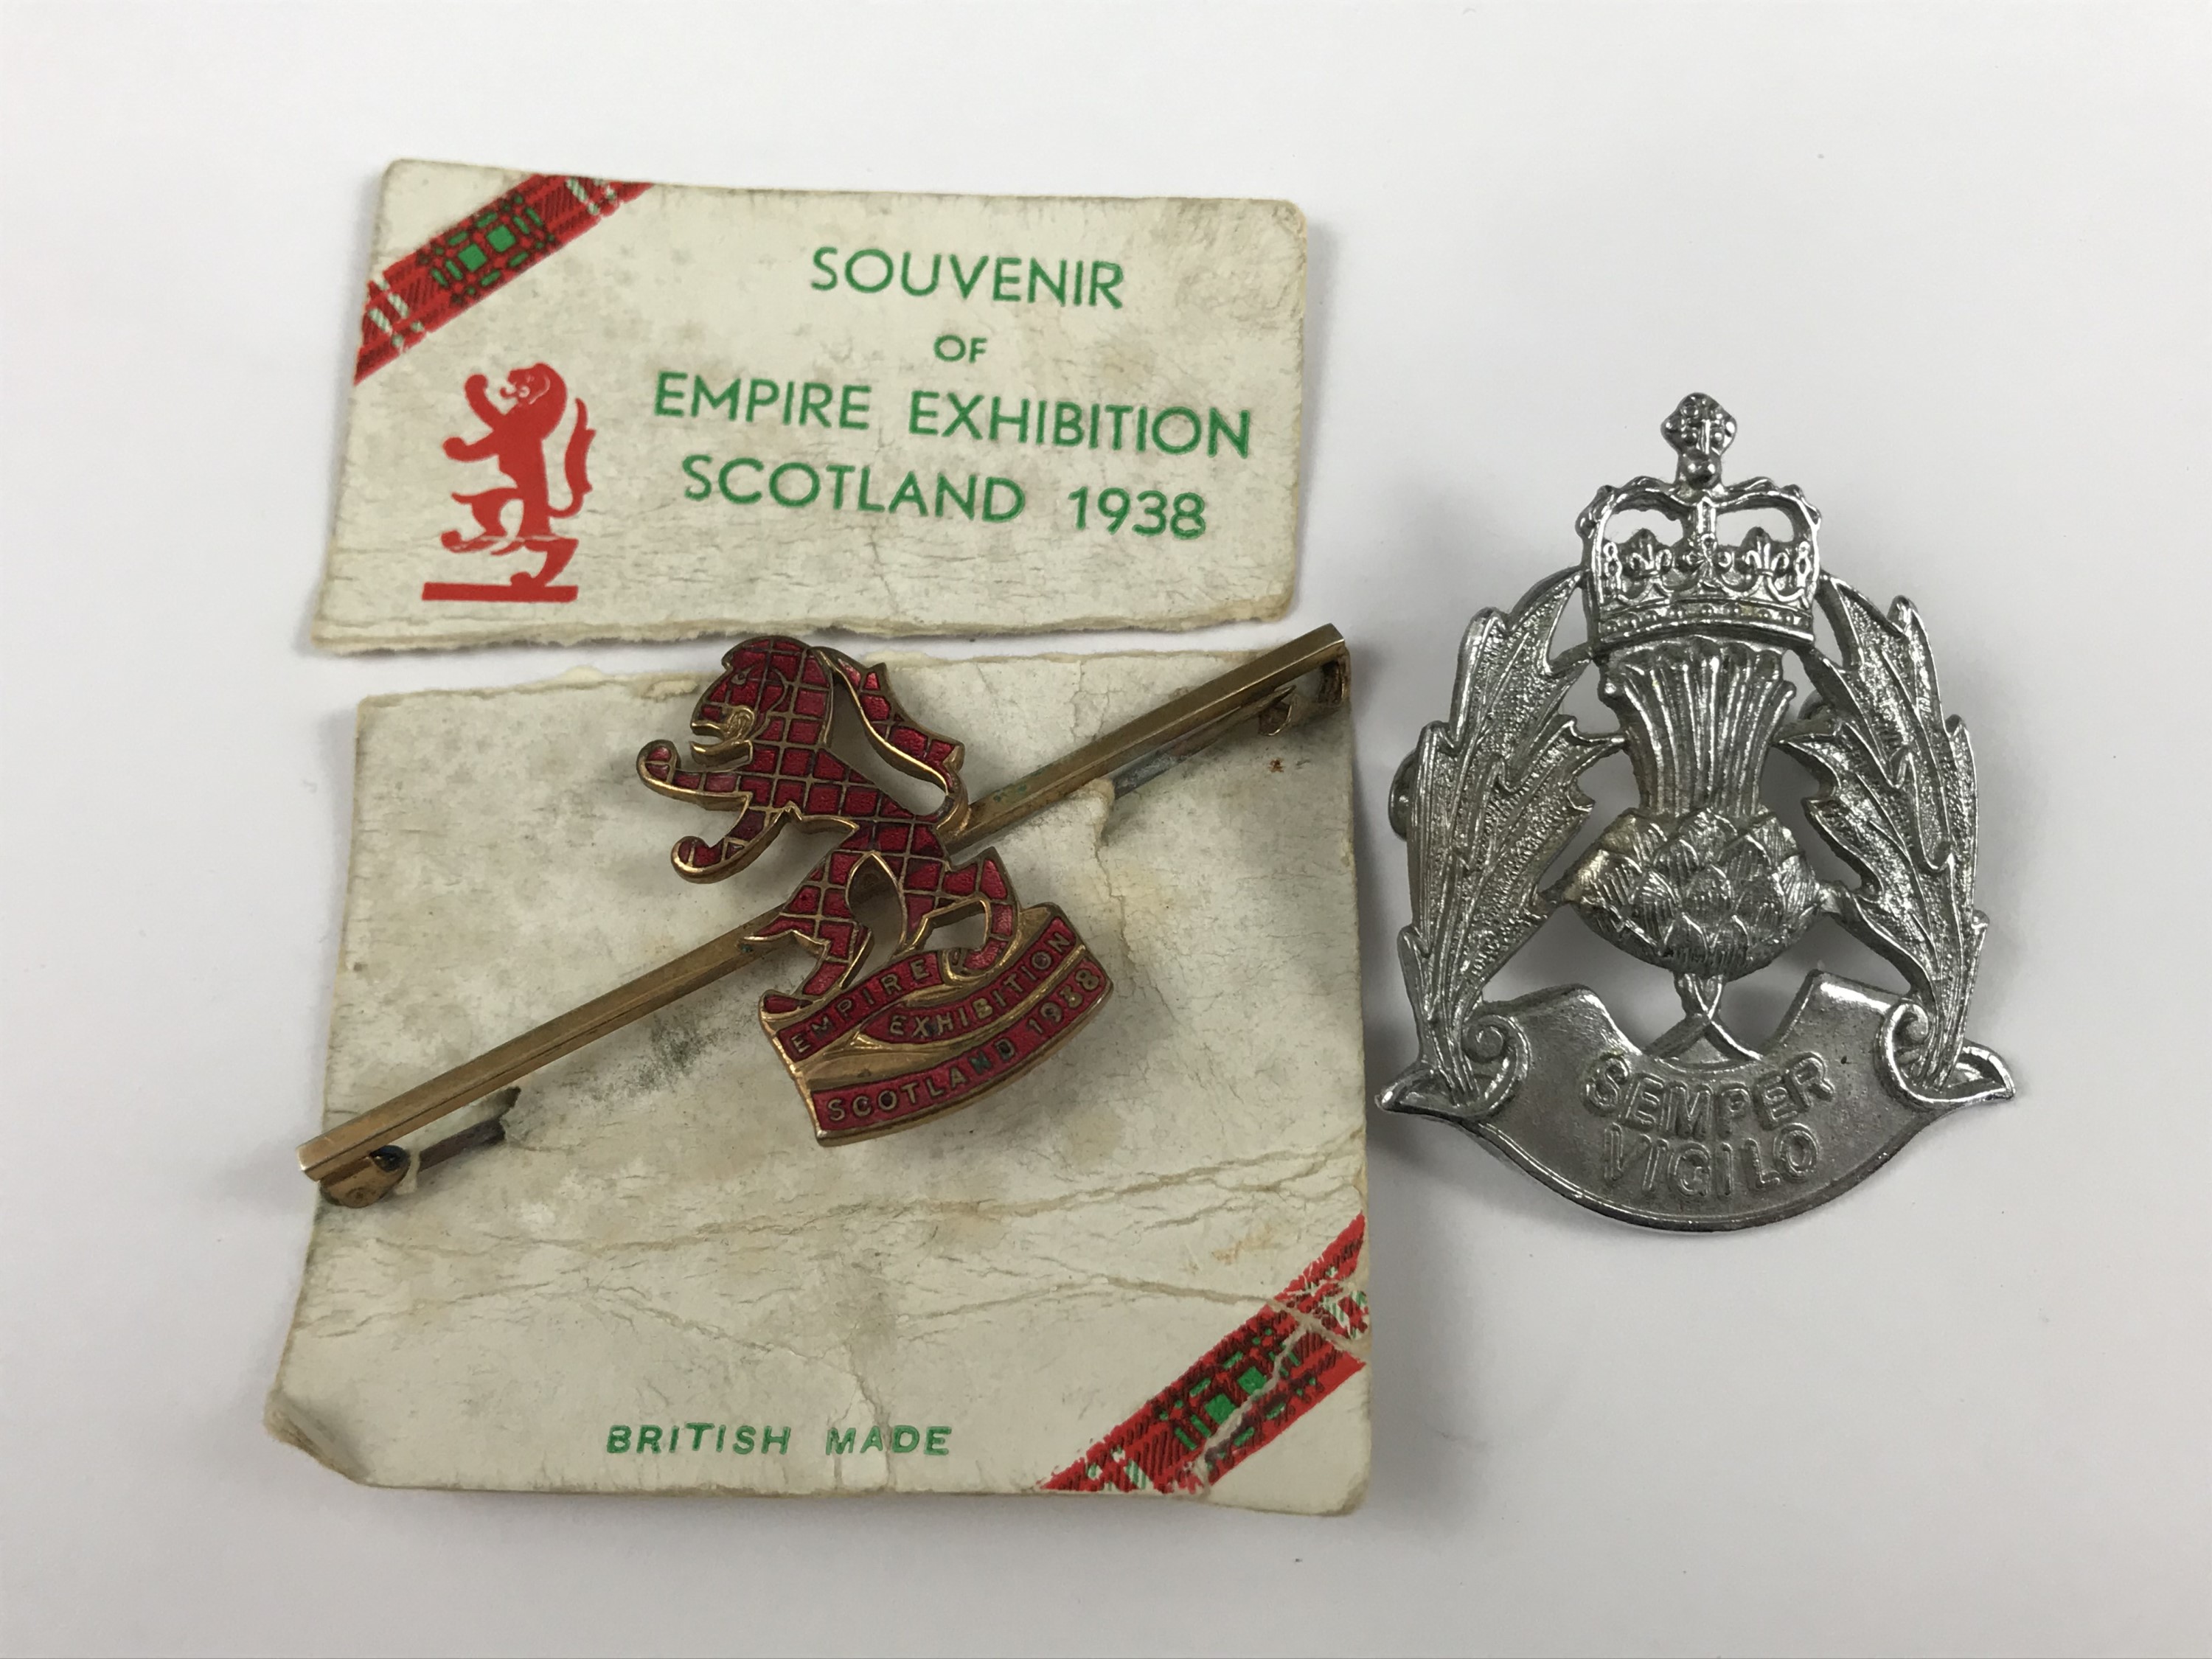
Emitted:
pixel 874 1055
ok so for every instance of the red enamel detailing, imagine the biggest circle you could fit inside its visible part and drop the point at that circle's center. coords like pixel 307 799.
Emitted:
pixel 933 1029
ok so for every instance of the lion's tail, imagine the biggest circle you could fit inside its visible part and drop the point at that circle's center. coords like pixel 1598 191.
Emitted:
pixel 579 480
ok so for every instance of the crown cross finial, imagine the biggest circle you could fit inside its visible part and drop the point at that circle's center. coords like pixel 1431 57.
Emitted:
pixel 1639 587
pixel 1701 431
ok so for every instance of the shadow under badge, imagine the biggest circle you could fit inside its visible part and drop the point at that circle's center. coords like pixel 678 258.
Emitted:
pixel 1698 1131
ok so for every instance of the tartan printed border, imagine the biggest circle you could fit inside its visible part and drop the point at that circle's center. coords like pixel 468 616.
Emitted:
pixel 421 291
pixel 1249 1388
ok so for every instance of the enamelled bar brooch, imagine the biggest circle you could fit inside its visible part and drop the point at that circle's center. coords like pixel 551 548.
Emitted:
pixel 1700 1131
pixel 930 1031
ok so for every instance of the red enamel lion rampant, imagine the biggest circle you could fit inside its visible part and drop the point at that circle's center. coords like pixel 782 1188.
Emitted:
pixel 932 1028
pixel 519 425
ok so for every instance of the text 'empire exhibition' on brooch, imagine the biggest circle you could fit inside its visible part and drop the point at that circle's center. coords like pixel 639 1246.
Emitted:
pixel 1699 1131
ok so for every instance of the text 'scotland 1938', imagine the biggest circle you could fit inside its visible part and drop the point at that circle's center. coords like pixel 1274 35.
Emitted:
pixel 587 409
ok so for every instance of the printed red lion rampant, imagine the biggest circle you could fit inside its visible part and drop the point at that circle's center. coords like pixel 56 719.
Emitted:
pixel 514 439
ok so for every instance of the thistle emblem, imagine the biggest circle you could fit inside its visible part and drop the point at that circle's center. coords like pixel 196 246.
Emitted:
pixel 1691 637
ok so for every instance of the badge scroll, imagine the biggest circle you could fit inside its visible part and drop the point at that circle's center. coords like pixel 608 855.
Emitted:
pixel 1699 1131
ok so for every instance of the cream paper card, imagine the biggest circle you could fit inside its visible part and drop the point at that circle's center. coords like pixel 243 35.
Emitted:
pixel 1138 1267
pixel 588 410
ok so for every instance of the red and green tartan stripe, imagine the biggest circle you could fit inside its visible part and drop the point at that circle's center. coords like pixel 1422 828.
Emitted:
pixel 421 291
pixel 1249 1388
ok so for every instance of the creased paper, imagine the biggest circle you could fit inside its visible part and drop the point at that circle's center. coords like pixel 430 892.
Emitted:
pixel 660 1283
pixel 590 410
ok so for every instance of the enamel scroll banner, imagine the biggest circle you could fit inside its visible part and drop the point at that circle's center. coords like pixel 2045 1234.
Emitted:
pixel 1699 1131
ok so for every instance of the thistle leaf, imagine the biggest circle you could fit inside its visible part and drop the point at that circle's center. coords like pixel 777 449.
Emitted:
pixel 1492 800
pixel 1899 805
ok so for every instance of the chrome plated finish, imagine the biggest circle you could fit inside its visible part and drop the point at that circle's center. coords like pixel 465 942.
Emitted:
pixel 1699 1130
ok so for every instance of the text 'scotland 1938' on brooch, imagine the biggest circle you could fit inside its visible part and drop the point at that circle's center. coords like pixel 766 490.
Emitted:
pixel 1699 1131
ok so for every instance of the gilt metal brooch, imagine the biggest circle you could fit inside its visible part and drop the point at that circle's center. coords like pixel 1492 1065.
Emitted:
pixel 934 1028
pixel 1699 1130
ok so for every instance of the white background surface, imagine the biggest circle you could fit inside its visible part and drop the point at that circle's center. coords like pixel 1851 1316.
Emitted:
pixel 1948 267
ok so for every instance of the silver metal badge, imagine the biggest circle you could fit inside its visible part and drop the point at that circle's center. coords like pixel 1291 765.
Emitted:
pixel 1699 1131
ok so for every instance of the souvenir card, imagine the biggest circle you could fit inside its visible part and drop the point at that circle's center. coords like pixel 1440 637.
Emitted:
pixel 1137 1266
pixel 590 410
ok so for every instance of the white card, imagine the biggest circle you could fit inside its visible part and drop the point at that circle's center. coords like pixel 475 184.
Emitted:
pixel 1137 1266
pixel 586 409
